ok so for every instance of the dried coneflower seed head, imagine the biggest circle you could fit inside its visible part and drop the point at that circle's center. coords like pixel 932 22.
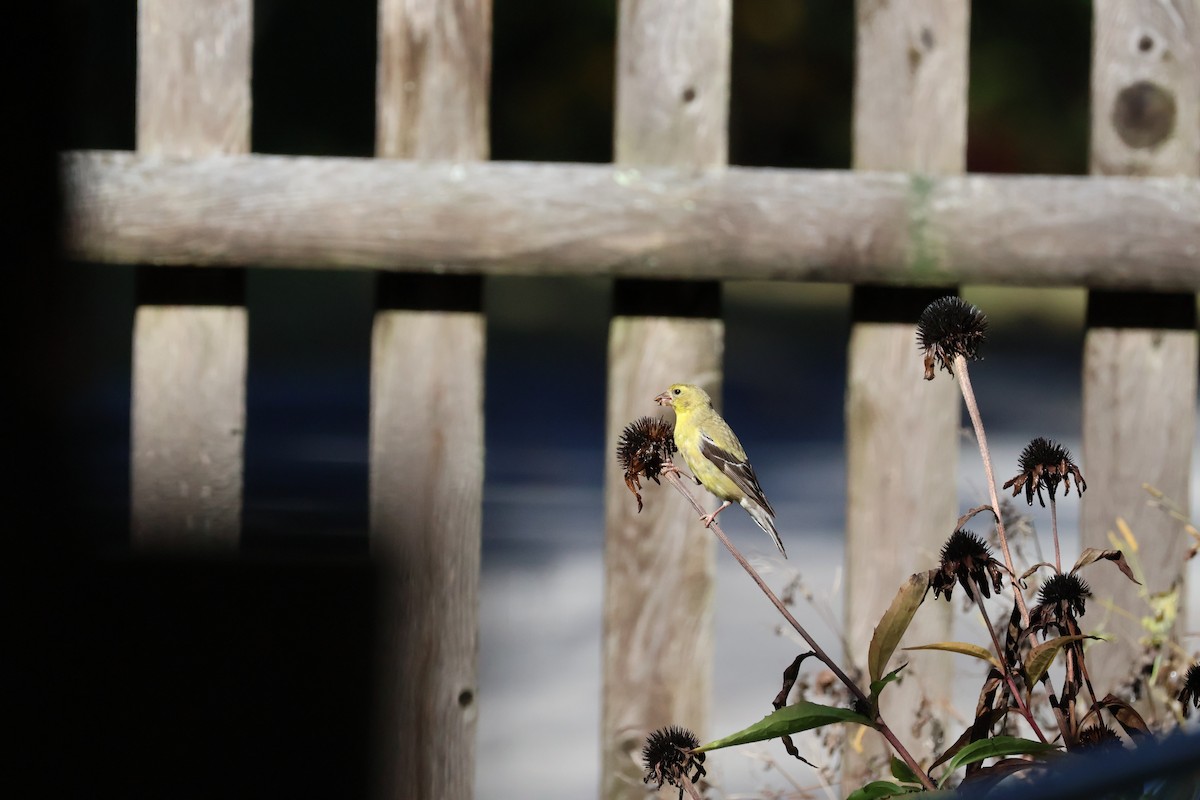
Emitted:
pixel 644 448
pixel 668 757
pixel 966 558
pixel 1097 736
pixel 963 545
pixel 1043 465
pixel 950 327
pixel 1066 593
pixel 1190 693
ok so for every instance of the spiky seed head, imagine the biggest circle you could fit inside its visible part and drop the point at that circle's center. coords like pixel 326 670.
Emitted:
pixel 950 327
pixel 643 450
pixel 1067 592
pixel 668 758
pixel 1098 736
pixel 1044 464
pixel 965 557
pixel 964 545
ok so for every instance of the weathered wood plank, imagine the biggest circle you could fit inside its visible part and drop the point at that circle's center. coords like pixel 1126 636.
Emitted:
pixel 193 83
pixel 426 493
pixel 910 113
pixel 426 428
pixel 672 111
pixel 1139 366
pixel 910 85
pixel 189 379
pixel 1145 105
pixel 189 362
pixel 673 83
pixel 659 565
pixel 514 218
pixel 435 61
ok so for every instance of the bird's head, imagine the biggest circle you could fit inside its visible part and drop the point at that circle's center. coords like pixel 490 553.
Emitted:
pixel 684 397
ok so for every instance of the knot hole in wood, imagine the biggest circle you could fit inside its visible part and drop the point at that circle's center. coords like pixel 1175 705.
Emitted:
pixel 1144 114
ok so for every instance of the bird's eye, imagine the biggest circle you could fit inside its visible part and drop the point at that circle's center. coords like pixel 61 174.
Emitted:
pixel 675 391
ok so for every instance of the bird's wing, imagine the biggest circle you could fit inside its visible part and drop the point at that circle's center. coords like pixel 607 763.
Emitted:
pixel 737 468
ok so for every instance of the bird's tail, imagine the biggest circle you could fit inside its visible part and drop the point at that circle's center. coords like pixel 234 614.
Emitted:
pixel 765 521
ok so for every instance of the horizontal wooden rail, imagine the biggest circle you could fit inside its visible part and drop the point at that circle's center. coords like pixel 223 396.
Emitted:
pixel 736 223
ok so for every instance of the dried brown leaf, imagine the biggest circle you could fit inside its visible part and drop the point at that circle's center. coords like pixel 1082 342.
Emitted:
pixel 1092 554
pixel 1125 715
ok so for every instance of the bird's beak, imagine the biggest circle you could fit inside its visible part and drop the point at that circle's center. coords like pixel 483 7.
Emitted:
pixel 663 399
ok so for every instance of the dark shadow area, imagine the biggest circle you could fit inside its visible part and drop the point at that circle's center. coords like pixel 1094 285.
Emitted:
pixel 146 677
pixel 1027 109
pixel 313 77
pixel 157 677
pixel 99 88
pixel 307 408
pixel 552 80
pixel 792 84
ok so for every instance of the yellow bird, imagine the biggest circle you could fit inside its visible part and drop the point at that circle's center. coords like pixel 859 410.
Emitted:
pixel 715 456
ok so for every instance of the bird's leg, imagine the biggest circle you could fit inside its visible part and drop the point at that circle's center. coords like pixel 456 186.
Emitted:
pixel 707 519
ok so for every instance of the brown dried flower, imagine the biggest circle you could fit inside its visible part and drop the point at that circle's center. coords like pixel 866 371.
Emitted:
pixel 668 758
pixel 950 327
pixel 644 449
pixel 966 559
pixel 1043 465
pixel 1062 598
pixel 1097 736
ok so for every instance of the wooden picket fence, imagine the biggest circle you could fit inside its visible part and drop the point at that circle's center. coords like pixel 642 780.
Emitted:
pixel 668 221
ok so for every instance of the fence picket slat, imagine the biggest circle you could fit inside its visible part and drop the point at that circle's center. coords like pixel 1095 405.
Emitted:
pixel 672 110
pixel 426 429
pixel 189 360
pixel 658 565
pixel 1140 350
pixel 910 114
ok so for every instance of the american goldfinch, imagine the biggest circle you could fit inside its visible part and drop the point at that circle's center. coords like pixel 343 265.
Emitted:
pixel 715 456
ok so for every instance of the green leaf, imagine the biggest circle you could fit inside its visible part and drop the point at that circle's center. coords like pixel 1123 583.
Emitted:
pixel 1043 655
pixel 877 686
pixel 895 622
pixel 798 717
pixel 993 748
pixel 876 789
pixel 902 772
pixel 962 648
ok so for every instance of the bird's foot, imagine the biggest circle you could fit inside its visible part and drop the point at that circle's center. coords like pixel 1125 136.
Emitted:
pixel 708 519
pixel 670 469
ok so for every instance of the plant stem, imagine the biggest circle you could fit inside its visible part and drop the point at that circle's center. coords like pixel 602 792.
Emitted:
pixel 673 477
pixel 1012 684
pixel 968 393
pixel 690 788
pixel 1054 532
pixel 1063 729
